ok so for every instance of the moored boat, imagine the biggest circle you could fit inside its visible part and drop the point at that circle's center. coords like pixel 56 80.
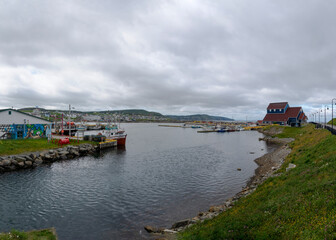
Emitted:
pixel 222 130
pixel 114 133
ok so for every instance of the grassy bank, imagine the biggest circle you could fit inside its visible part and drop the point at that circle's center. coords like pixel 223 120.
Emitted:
pixel 299 204
pixel 333 121
pixel 45 234
pixel 11 147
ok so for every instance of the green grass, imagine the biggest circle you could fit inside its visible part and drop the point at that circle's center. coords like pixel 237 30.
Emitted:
pixel 334 121
pixel 10 147
pixel 300 204
pixel 289 132
pixel 45 234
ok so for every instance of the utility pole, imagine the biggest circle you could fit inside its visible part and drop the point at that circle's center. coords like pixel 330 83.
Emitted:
pixel 69 121
pixel 332 113
pixel 62 125
pixel 325 115
pixel 320 110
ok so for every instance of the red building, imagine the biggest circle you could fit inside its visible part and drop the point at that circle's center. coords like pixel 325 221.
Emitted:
pixel 281 113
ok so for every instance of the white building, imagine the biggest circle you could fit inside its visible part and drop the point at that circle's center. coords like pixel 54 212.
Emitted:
pixel 15 124
pixel 92 118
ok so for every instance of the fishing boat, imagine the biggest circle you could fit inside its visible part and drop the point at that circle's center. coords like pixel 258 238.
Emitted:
pixel 114 132
pixel 119 135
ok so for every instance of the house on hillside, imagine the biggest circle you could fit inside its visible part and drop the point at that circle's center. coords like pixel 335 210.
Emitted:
pixel 18 125
pixel 281 113
pixel 91 118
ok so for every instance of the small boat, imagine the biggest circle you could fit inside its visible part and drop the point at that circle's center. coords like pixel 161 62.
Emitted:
pixel 93 127
pixel 81 128
pixel 112 127
pixel 222 130
pixel 206 129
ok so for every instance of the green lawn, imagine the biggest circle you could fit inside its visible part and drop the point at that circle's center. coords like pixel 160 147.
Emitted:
pixel 300 204
pixel 290 132
pixel 45 234
pixel 10 147
pixel 334 121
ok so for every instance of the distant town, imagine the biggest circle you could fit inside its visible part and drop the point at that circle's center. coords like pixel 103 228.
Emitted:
pixel 130 115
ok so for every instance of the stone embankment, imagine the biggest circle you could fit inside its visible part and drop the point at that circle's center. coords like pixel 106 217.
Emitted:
pixel 32 160
pixel 268 164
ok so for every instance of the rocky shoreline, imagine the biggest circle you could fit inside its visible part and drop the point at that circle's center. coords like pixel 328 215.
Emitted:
pixel 34 159
pixel 268 164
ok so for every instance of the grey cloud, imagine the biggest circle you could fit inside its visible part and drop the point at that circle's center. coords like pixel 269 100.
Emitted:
pixel 170 56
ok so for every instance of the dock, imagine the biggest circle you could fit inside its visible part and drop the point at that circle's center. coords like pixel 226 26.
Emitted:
pixel 170 126
pixel 108 144
pixel 206 131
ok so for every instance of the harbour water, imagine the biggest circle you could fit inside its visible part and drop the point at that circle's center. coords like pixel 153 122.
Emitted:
pixel 164 175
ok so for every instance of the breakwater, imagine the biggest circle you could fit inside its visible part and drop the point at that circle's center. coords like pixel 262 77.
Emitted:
pixel 34 159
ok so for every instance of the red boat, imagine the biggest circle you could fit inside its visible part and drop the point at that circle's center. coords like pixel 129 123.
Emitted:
pixel 118 135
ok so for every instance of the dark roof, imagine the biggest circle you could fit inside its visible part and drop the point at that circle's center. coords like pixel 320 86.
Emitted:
pixel 275 117
pixel 292 112
pixel 303 117
pixel 278 105
pixel 11 109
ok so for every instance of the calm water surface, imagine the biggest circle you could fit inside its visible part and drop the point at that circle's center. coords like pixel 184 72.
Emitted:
pixel 163 175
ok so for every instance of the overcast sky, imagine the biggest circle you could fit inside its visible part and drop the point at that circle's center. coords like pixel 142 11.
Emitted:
pixel 227 58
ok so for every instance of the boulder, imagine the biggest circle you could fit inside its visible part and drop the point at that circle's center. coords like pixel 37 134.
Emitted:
pixel 28 163
pixel 216 208
pixel 83 149
pixel 182 223
pixel 21 164
pixel 63 152
pixel 19 158
pixel 14 162
pixel 28 158
pixel 38 161
pixel 169 231
pixel 74 152
pixel 290 166
pixel 151 229
pixel 11 168
pixel 6 162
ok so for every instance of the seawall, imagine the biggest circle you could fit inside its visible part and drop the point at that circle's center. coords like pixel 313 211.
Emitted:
pixel 35 159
